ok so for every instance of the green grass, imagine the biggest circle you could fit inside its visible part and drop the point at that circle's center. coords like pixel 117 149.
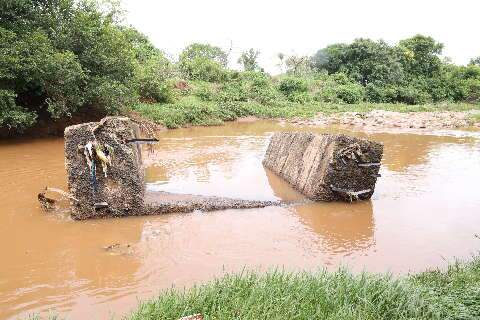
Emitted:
pixel 474 118
pixel 190 110
pixel 453 294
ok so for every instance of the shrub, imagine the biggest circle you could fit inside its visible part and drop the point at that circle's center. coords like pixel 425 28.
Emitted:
pixel 411 95
pixel 152 76
pixel 204 69
pixel 110 95
pixel 13 116
pixel 338 88
pixel 300 97
pixel 248 86
pixel 232 91
pixel 290 85
pixel 350 93
pixel 203 62
pixel 204 91
pixel 63 79
pixel 295 89
pixel 259 87
pixel 472 90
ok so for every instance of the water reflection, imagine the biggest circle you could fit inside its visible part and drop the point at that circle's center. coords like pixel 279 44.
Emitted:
pixel 343 228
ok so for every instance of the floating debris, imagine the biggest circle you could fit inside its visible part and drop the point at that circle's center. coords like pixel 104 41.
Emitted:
pixel 49 203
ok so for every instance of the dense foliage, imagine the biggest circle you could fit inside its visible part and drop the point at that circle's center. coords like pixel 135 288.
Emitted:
pixel 411 72
pixel 59 57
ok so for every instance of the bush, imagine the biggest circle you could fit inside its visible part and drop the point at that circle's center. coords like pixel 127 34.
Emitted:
pixel 204 69
pixel 232 91
pixel 63 79
pixel 59 56
pixel 411 95
pixel 248 86
pixel 259 87
pixel 472 91
pixel 203 62
pixel 13 116
pixel 111 96
pixel 350 93
pixel 204 91
pixel 290 85
pixel 338 88
pixel 152 76
pixel 300 97
pixel 295 89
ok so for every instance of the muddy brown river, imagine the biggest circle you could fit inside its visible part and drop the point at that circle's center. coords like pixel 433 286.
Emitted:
pixel 425 212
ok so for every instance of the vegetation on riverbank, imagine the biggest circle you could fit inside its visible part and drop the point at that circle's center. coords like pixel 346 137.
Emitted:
pixel 64 57
pixel 450 294
pixel 192 111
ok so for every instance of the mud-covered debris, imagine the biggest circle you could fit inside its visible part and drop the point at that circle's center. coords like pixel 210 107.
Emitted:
pixel 103 168
pixel 112 145
pixel 47 199
pixel 325 167
pixel 120 249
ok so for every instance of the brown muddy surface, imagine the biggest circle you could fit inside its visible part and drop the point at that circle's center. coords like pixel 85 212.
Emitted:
pixel 425 212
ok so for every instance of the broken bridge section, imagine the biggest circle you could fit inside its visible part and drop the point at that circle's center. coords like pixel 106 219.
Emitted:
pixel 106 176
pixel 325 167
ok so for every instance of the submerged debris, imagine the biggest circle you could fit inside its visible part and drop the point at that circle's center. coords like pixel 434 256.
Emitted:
pixel 326 167
pixel 119 249
pixel 49 203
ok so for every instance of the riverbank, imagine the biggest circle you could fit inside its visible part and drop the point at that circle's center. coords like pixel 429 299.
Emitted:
pixel 393 119
pixel 192 112
pixel 450 294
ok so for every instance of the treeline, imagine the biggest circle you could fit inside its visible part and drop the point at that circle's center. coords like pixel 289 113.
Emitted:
pixel 58 57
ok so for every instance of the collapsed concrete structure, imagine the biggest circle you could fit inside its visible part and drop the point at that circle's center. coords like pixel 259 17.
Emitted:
pixel 122 187
pixel 106 177
pixel 325 167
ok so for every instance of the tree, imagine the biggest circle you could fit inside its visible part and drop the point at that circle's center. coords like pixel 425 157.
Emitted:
pixel 60 56
pixel 249 60
pixel 475 61
pixel 204 51
pixel 203 62
pixel 298 65
pixel 420 55
pixel 364 60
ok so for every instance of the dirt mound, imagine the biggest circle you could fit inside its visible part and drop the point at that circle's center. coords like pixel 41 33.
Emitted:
pixel 325 167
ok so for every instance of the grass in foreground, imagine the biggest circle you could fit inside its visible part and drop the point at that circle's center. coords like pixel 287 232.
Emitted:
pixel 193 111
pixel 453 294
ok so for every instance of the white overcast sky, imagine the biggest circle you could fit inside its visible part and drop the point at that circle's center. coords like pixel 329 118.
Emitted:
pixel 304 26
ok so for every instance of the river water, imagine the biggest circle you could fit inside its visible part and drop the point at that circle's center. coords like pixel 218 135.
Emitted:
pixel 425 212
